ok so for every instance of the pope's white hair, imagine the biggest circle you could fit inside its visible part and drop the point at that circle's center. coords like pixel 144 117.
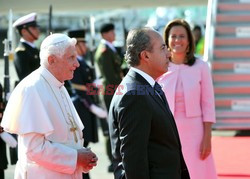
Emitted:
pixel 55 44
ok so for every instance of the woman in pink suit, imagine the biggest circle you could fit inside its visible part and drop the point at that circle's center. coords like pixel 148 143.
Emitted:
pixel 189 90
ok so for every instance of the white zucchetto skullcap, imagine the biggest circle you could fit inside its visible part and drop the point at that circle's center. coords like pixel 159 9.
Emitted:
pixel 29 19
pixel 57 39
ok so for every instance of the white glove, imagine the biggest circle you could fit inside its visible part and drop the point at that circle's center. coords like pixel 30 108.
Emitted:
pixel 97 82
pixel 99 112
pixel 8 139
pixel 8 96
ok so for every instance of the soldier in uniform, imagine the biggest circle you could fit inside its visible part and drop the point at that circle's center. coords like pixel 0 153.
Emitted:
pixel 83 101
pixel 5 138
pixel 109 64
pixel 3 157
pixel 26 57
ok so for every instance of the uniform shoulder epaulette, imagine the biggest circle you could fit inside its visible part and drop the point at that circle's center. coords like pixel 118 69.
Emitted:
pixel 20 49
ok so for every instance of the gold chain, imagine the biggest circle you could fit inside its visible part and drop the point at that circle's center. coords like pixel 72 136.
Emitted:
pixel 72 123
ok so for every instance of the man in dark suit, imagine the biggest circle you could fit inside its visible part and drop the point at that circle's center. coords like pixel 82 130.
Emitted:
pixel 26 58
pixel 144 138
pixel 109 64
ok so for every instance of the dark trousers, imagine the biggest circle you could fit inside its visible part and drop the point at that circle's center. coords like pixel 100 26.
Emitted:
pixel 107 100
pixel 1 174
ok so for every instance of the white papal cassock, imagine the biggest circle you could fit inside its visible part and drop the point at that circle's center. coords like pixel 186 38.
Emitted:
pixel 37 112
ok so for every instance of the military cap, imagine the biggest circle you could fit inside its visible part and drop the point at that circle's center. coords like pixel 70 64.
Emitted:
pixel 107 27
pixel 26 21
pixel 78 34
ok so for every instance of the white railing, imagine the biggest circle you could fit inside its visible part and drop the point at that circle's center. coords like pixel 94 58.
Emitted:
pixel 210 30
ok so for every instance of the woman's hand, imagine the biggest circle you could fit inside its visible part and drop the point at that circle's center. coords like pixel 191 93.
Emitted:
pixel 206 146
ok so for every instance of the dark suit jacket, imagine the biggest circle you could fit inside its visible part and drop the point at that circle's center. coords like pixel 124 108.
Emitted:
pixel 26 60
pixel 144 138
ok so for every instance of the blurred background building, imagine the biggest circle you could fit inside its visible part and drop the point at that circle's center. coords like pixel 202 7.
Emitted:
pixel 125 15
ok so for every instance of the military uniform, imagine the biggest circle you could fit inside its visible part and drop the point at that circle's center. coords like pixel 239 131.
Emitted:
pixel 26 60
pixel 3 156
pixel 109 63
pixel 82 101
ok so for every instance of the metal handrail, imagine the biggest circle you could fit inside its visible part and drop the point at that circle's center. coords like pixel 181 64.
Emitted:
pixel 210 30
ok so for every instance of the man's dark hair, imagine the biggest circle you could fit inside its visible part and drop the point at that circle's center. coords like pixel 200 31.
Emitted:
pixel 137 41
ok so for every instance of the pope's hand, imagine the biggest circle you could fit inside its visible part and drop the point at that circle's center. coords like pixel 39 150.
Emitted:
pixel 86 159
pixel 99 112
pixel 8 139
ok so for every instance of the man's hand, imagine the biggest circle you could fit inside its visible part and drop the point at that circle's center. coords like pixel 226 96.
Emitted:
pixel 86 159
pixel 8 139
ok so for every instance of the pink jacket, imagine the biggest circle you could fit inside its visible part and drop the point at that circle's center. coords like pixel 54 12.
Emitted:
pixel 198 89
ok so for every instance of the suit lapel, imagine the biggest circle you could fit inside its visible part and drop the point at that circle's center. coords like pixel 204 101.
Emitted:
pixel 143 81
pixel 165 107
pixel 159 101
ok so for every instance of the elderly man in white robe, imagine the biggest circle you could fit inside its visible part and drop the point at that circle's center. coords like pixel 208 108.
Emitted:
pixel 41 113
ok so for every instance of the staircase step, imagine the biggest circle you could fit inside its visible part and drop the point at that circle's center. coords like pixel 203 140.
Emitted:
pixel 241 90
pixel 227 114
pixel 232 120
pixel 230 102
pixel 232 18
pixel 219 41
pixel 232 53
pixel 233 7
pixel 240 31
pixel 225 29
pixel 232 124
pixel 231 78
pixel 233 66
pixel 234 1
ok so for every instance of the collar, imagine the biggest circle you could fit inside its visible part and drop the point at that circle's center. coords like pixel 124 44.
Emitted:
pixel 50 78
pixel 79 57
pixel 147 77
pixel 27 42
pixel 110 45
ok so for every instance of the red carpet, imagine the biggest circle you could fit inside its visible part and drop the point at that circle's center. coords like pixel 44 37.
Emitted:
pixel 232 157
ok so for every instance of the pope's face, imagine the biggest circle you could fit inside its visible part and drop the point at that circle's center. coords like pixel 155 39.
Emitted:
pixel 67 64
